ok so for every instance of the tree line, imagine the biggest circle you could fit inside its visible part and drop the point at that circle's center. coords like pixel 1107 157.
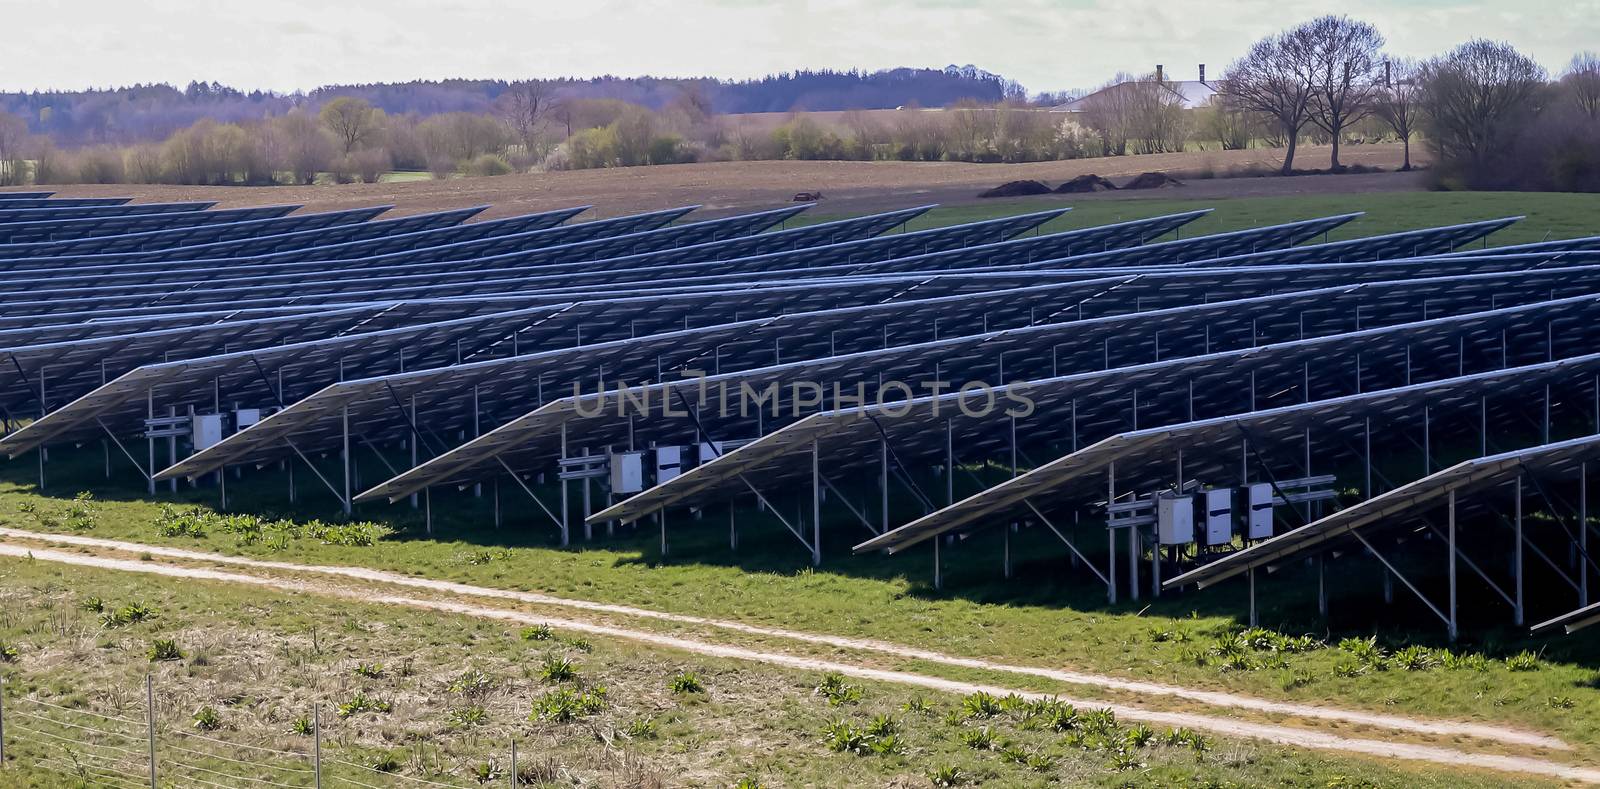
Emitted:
pixel 1490 116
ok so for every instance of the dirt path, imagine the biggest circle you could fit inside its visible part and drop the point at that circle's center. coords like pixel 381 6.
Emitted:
pixel 1491 733
pixel 1232 728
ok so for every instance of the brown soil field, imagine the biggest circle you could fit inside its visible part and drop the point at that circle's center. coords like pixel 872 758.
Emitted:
pixel 724 187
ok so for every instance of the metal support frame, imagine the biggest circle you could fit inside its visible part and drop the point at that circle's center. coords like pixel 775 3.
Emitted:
pixel 1395 573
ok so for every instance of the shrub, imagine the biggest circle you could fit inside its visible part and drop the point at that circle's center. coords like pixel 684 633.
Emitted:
pixel 557 669
pixel 489 164
pixel 948 775
pixel 980 739
pixel 1414 658
pixel 8 653
pixel 468 716
pixel 686 682
pixel 981 705
pixel 206 719
pixel 360 703
pixel 163 649
pixel 1523 661
pixel 92 604
pixel 641 729
pixel 842 737
pixel 565 705
pixel 836 691
pixel 369 670
pixel 302 726
pixel 882 726
pixel 537 633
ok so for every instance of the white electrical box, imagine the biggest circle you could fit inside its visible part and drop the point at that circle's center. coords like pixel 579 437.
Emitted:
pixel 1219 516
pixel 1175 519
pixel 1260 511
pixel 627 472
pixel 245 417
pixel 669 463
pixel 206 431
pixel 709 451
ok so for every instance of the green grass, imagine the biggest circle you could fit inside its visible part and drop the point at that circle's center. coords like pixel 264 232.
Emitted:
pixel 1549 215
pixel 1047 615
pixel 258 662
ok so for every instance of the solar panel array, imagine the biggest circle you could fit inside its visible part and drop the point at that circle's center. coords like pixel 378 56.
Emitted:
pixel 1157 366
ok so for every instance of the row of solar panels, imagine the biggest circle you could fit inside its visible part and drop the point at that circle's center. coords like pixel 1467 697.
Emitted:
pixel 467 339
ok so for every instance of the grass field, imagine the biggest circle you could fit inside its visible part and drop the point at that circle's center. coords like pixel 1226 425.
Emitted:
pixel 445 695
pixel 1047 615
pixel 1548 215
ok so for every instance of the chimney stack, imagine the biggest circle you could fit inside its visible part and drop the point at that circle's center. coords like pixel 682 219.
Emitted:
pixel 1160 73
pixel 1202 73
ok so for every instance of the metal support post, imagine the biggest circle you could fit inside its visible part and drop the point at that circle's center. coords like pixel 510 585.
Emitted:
pixel 564 516
pixel 816 504
pixel 1452 526
pixel 344 427
pixel 1516 556
pixel 150 725
pixel 1583 534
pixel 1111 537
pixel 316 745
pixel 1254 617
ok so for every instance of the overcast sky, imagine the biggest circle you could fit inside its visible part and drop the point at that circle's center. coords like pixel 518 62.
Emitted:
pixel 287 45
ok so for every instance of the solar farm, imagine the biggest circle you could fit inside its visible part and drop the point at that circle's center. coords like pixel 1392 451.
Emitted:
pixel 1146 410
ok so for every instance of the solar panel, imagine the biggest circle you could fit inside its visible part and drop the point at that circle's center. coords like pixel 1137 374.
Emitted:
pixel 18 239
pixel 797 243
pixel 512 379
pixel 178 237
pixel 29 214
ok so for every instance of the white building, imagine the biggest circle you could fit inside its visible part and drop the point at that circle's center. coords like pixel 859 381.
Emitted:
pixel 1194 93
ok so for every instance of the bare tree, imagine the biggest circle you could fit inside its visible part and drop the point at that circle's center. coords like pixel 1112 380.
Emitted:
pixel 1476 96
pixel 1108 112
pixel 1582 81
pixel 526 106
pixel 1343 86
pixel 1275 80
pixel 13 141
pixel 1399 104
pixel 353 121
pixel 1158 121
pixel 307 148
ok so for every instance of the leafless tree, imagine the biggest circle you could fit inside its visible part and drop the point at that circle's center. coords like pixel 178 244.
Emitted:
pixel 13 141
pixel 1399 103
pixel 1475 97
pixel 1158 121
pixel 1275 80
pixel 526 107
pixel 1582 82
pixel 1108 112
pixel 1344 85
pixel 353 121
pixel 306 146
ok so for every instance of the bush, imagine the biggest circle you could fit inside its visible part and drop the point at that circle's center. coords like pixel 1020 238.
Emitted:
pixel 163 649
pixel 686 682
pixel 488 164
pixel 206 719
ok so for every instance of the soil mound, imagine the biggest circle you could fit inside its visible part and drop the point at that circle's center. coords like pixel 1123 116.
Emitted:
pixel 1086 183
pixel 1017 189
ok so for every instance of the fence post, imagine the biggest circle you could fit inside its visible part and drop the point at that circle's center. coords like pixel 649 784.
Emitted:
pixel 3 722
pixel 150 724
pixel 513 770
pixel 316 744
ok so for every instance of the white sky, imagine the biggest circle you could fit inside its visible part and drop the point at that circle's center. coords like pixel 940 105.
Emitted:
pixel 286 45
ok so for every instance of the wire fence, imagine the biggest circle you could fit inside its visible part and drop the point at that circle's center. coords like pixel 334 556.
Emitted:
pixel 98 749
